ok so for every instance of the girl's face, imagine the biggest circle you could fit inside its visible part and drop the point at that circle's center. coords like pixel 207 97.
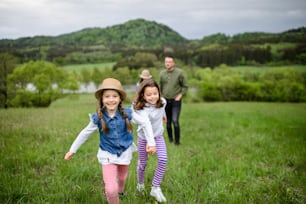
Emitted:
pixel 111 100
pixel 151 95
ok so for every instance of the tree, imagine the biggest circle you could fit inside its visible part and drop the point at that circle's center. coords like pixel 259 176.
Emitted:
pixel 96 76
pixel 47 81
pixel 85 74
pixel 7 64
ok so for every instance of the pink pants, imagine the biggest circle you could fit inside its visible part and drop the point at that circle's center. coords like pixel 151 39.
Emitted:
pixel 114 177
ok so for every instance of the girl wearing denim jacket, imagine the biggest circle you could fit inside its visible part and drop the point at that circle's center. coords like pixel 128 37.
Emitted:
pixel 116 137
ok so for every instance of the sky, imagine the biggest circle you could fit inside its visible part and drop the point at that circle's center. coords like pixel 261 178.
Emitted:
pixel 192 19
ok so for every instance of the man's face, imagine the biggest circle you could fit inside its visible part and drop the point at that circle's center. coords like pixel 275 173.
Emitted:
pixel 169 63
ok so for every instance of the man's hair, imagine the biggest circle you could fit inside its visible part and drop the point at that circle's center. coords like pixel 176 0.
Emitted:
pixel 169 55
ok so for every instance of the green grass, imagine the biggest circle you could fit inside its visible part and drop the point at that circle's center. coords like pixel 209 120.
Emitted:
pixel 233 152
pixel 78 67
pixel 262 69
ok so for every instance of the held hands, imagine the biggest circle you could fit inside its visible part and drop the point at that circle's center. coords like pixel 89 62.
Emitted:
pixel 151 149
pixel 68 156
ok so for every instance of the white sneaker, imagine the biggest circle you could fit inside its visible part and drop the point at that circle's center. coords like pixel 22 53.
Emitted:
pixel 140 187
pixel 157 194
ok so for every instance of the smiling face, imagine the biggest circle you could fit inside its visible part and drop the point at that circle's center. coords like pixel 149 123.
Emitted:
pixel 151 95
pixel 111 100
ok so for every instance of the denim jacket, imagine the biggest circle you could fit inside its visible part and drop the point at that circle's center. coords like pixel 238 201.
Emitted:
pixel 118 138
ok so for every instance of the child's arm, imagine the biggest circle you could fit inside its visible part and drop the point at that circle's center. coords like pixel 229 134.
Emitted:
pixel 80 139
pixel 141 118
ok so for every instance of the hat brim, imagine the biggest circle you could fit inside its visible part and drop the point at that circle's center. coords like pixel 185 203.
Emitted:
pixel 145 77
pixel 99 92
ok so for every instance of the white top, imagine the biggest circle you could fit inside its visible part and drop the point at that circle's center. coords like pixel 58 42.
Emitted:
pixel 104 157
pixel 150 122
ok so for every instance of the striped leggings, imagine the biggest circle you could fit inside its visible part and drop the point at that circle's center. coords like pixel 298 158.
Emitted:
pixel 161 160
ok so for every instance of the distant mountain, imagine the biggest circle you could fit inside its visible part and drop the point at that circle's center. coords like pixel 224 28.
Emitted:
pixel 141 33
pixel 134 33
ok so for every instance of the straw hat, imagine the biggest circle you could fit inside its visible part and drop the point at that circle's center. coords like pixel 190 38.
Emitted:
pixel 145 74
pixel 113 84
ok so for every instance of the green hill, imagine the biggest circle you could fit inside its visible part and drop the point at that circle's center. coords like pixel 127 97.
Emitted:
pixel 134 33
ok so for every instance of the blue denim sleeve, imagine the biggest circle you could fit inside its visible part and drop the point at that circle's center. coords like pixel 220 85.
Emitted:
pixel 128 111
pixel 96 120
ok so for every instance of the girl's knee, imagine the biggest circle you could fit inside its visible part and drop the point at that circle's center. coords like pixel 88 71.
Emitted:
pixel 141 167
pixel 163 160
pixel 111 189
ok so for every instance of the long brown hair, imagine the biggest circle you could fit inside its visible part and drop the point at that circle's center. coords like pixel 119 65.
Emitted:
pixel 101 107
pixel 139 101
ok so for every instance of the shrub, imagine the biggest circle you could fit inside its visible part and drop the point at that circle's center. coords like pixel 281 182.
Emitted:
pixel 48 83
pixel 224 84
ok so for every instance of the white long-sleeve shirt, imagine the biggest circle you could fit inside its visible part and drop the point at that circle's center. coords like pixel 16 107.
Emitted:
pixel 83 135
pixel 150 122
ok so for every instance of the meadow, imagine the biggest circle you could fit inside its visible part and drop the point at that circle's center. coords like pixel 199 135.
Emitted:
pixel 234 152
pixel 90 67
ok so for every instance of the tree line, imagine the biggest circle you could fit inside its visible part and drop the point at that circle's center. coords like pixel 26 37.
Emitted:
pixel 123 41
pixel 38 83
pixel 204 56
pixel 136 45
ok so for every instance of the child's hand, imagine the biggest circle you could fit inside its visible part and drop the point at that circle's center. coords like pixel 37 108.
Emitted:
pixel 151 149
pixel 165 119
pixel 68 156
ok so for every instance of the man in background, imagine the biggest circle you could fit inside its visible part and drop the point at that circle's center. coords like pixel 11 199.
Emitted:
pixel 173 85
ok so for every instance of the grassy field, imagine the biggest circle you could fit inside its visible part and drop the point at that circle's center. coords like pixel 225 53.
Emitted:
pixel 230 153
pixel 78 67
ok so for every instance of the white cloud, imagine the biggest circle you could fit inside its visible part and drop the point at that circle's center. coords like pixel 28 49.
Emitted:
pixel 192 19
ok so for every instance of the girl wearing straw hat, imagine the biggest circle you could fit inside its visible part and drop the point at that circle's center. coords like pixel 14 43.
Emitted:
pixel 116 137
